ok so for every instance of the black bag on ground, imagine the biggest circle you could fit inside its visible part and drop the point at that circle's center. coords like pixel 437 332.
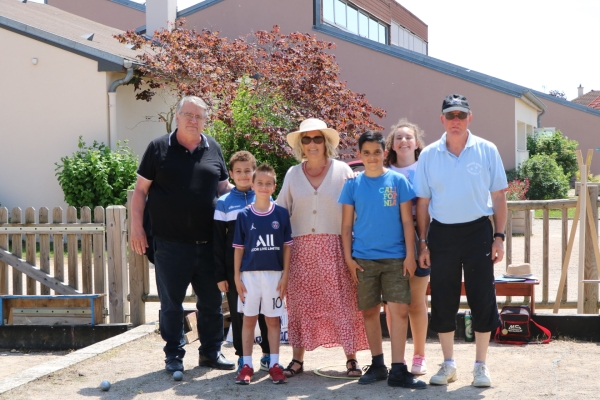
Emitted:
pixel 515 326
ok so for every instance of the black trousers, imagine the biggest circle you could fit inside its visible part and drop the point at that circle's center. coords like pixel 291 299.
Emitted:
pixel 237 321
pixel 176 266
pixel 454 249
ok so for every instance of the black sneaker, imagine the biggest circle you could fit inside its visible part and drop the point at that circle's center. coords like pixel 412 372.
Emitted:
pixel 174 364
pixel 400 377
pixel 373 374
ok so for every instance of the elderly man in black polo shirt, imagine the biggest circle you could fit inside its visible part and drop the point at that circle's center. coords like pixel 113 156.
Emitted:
pixel 182 174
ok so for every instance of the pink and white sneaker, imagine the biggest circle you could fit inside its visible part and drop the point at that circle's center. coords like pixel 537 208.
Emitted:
pixel 419 366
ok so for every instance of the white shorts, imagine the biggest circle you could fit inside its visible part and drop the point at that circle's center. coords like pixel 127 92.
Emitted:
pixel 261 294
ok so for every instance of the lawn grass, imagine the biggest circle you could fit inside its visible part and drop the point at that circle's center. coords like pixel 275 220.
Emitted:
pixel 555 213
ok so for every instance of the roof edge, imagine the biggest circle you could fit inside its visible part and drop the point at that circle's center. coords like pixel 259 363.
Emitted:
pixel 131 4
pixel 566 103
pixel 197 7
pixel 110 61
pixel 426 61
pixel 533 99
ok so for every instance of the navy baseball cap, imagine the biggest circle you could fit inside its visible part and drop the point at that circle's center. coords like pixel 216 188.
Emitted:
pixel 455 102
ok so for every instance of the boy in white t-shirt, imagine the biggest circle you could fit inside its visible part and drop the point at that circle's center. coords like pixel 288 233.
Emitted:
pixel 262 240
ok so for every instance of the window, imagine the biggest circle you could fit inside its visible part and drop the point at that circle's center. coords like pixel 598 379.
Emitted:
pixel 352 20
pixel 343 14
pixel 402 37
pixel 363 25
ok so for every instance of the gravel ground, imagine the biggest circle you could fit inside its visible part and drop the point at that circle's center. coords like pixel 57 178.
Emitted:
pixel 561 369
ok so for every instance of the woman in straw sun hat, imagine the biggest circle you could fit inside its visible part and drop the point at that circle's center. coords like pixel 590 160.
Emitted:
pixel 321 299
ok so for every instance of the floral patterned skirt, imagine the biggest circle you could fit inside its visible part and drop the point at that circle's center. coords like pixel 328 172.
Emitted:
pixel 321 299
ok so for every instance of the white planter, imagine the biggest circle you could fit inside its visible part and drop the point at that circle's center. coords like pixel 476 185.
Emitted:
pixel 518 221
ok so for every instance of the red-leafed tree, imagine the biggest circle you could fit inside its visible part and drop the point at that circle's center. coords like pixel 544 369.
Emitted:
pixel 293 73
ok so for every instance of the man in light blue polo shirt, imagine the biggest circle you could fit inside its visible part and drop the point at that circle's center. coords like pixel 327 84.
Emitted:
pixel 460 181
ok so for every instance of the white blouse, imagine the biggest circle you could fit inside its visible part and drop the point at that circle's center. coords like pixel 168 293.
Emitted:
pixel 314 211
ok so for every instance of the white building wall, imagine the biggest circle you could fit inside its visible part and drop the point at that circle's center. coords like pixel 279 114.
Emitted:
pixel 525 121
pixel 44 108
pixel 137 120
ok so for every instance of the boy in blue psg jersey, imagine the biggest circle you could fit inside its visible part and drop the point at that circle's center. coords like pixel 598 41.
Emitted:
pixel 262 240
pixel 241 168
pixel 381 255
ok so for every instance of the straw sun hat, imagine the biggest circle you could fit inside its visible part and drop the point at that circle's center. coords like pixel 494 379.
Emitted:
pixel 314 124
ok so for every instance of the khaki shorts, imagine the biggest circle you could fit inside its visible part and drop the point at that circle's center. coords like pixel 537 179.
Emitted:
pixel 382 280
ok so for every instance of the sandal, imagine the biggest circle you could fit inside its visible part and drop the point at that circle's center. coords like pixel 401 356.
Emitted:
pixel 290 372
pixel 353 370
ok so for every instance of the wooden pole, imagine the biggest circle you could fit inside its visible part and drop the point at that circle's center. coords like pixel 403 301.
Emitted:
pixel 59 246
pixel 99 242
pixel 590 303
pixel 86 253
pixel 117 264
pixel 582 223
pixel 30 253
pixel 137 264
pixel 17 250
pixel 44 249
pixel 4 245
pixel 72 256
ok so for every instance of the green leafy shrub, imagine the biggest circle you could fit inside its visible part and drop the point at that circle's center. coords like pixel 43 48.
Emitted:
pixel 96 176
pixel 251 117
pixel 559 147
pixel 512 174
pixel 546 179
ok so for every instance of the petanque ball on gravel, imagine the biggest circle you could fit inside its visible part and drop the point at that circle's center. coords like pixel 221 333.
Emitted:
pixel 105 385
pixel 178 375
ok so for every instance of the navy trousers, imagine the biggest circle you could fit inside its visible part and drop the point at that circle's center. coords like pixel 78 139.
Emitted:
pixel 177 265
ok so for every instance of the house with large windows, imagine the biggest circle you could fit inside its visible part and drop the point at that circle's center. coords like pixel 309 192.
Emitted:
pixel 383 51
pixel 386 24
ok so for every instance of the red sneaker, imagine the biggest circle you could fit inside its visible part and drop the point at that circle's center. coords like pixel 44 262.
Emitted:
pixel 245 375
pixel 277 375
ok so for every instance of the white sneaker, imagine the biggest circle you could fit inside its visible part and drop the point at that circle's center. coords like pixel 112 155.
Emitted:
pixel 419 366
pixel 444 376
pixel 481 376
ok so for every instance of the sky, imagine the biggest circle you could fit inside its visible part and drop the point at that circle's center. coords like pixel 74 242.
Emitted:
pixel 540 44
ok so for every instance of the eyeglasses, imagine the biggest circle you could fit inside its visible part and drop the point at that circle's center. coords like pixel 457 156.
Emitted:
pixel 461 115
pixel 316 139
pixel 191 116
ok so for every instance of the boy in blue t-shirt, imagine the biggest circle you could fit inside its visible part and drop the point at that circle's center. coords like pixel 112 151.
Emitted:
pixel 241 168
pixel 381 255
pixel 262 240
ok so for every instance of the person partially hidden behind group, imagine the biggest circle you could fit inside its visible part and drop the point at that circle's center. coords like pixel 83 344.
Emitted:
pixel 403 146
pixel 322 301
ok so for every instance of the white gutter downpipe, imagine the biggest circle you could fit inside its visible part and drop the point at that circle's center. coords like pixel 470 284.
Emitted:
pixel 533 98
pixel 112 104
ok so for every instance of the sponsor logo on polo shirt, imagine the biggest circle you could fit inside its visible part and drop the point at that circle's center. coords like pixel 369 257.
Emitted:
pixel 474 168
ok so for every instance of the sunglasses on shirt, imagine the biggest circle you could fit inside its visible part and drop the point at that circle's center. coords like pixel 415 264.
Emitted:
pixel 461 115
pixel 316 139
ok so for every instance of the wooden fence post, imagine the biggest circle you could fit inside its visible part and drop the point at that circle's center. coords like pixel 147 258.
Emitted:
pixel 86 253
pixel 99 242
pixel 44 249
pixel 137 266
pixel 73 256
pixel 17 250
pixel 117 264
pixel 59 246
pixel 4 245
pixel 30 253
pixel 590 296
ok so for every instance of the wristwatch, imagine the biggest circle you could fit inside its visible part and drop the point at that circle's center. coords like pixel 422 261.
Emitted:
pixel 500 235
